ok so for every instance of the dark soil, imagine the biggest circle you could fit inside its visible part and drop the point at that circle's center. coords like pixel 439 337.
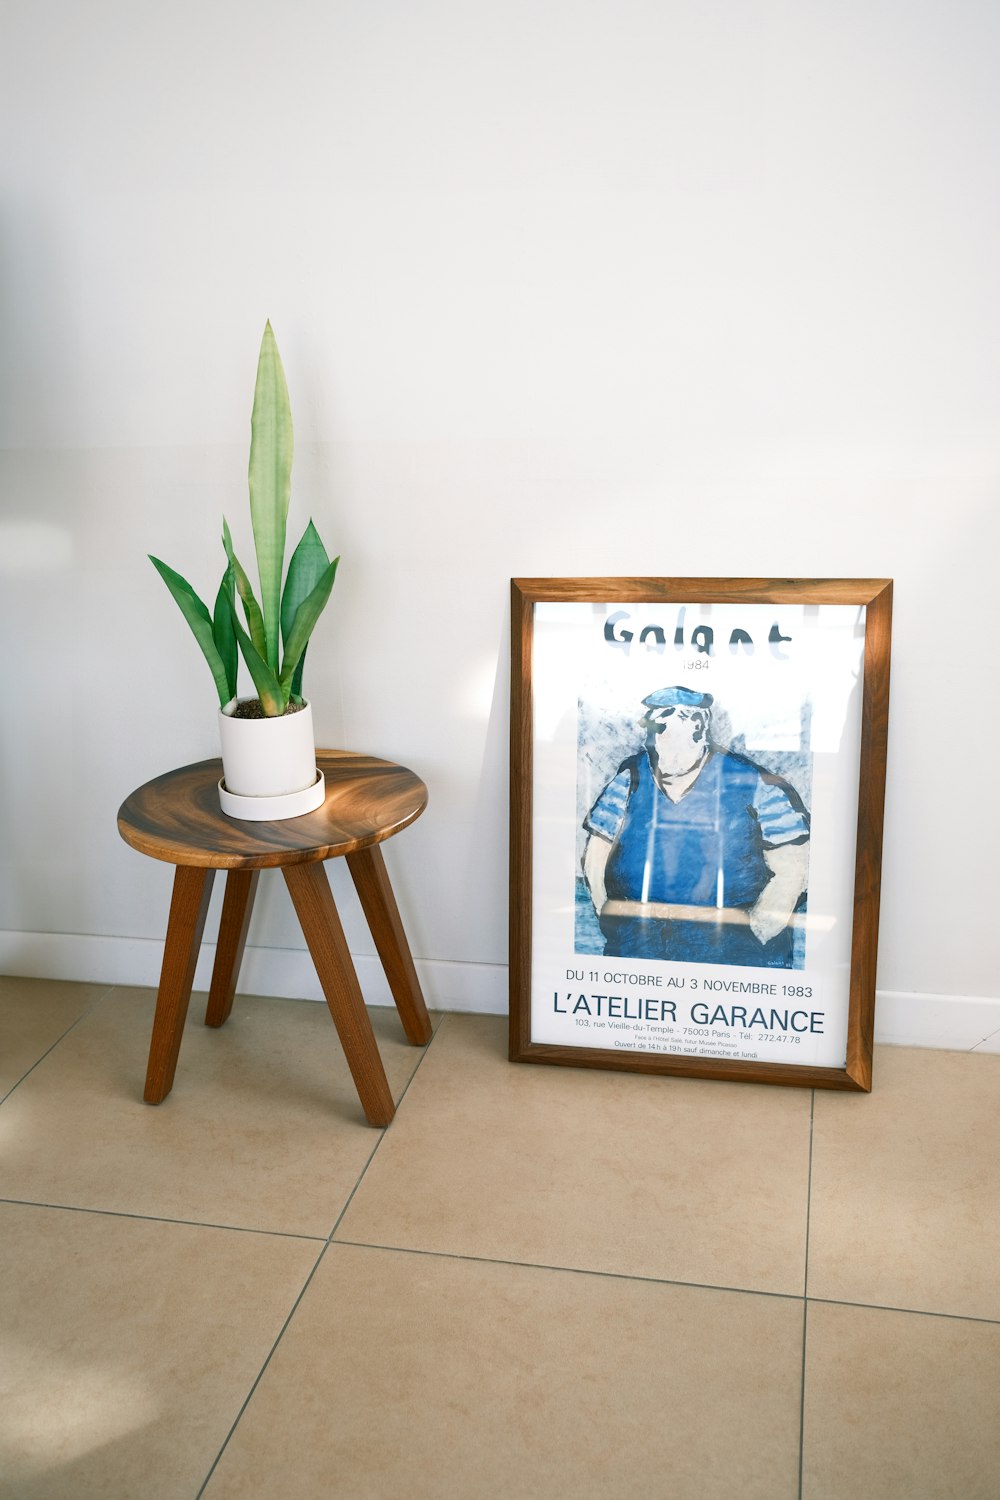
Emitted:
pixel 252 708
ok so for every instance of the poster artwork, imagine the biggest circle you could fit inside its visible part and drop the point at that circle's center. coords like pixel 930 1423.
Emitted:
pixel 694 851
pixel 693 888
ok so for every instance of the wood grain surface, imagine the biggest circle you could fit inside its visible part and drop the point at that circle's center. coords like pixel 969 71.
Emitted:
pixel 237 909
pixel 700 590
pixel 177 817
pixel 185 925
pixel 371 880
pixel 320 923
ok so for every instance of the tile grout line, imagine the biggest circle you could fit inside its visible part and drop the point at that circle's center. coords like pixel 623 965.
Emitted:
pixel 361 1176
pixel 305 1287
pixel 534 1265
pixel 809 1183
pixel 490 1260
pixel 907 1312
pixel 120 1213
pixel 261 1372
pixel 802 1402
pixel 805 1297
pixel 61 1038
pixel 201 1223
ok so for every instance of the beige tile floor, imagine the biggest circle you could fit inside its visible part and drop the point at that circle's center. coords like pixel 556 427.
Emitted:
pixel 537 1283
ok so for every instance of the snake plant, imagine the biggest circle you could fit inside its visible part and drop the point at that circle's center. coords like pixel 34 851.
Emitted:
pixel 277 630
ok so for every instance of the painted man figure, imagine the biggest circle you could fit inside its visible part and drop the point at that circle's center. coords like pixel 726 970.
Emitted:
pixel 696 854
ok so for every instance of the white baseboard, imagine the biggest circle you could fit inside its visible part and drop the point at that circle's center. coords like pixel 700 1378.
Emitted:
pixel 284 972
pixel 954 1023
pixel 961 1023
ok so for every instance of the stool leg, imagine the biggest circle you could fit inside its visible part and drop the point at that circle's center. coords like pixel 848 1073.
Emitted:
pixel 371 879
pixel 185 925
pixel 317 914
pixel 237 907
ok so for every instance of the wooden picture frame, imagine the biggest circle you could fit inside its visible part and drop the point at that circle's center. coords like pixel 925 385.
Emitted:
pixel 754 761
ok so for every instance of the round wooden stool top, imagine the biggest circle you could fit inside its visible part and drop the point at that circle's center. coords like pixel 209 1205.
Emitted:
pixel 177 817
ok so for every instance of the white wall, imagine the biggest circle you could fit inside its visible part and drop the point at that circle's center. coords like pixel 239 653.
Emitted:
pixel 597 288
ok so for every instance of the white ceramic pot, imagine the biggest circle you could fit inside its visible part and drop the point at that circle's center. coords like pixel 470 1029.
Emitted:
pixel 267 759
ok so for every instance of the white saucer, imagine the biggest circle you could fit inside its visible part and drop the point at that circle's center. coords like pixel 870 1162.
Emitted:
pixel 272 809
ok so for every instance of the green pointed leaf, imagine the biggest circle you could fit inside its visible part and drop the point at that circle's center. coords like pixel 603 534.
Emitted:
pixel 306 616
pixel 270 482
pixel 222 628
pixel 269 690
pixel 255 620
pixel 308 563
pixel 295 696
pixel 195 611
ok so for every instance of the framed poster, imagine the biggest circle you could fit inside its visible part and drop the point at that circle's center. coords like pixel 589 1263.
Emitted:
pixel 697 788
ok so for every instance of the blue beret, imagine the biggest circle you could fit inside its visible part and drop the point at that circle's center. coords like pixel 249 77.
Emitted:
pixel 678 697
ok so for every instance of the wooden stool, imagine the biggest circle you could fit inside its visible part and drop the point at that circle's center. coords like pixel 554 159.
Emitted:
pixel 177 818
